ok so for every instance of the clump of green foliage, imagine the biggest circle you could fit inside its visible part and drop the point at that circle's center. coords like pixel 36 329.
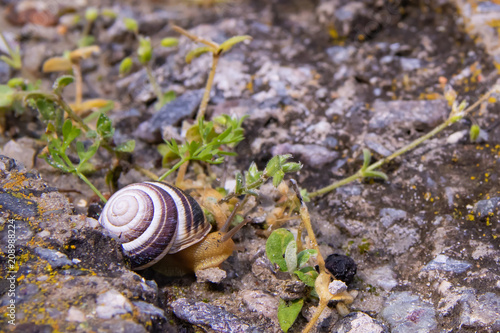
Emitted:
pixel 144 56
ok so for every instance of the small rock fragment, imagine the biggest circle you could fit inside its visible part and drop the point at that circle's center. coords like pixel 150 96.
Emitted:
pixel 112 303
pixel 488 207
pixel 55 258
pixel 199 313
pixel 261 303
pixel 148 310
pixel 447 264
pixel 314 155
pixel 359 322
pixel 336 287
pixel 75 315
pixel 390 215
pixel 214 275
pixel 383 277
pixel 407 313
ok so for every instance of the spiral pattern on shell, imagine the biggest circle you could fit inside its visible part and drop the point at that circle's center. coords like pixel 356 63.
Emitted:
pixel 153 219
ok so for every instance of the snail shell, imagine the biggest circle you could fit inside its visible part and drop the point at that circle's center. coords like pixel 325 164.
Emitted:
pixel 153 219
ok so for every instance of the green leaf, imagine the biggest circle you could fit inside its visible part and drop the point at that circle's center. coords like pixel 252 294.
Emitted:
pixel 367 156
pixel 304 256
pixel 126 65
pixel 291 256
pixel 197 52
pixel 288 312
pixel 276 246
pixel 85 155
pixel 305 195
pixel 239 182
pixel 169 42
pixel 291 167
pixel 275 164
pixel 6 96
pixel 107 12
pixel 307 275
pixel 104 127
pixel 70 133
pixel 91 14
pixel 145 50
pixel 474 132
pixel 126 147
pixel 86 41
pixel 375 174
pixel 228 44
pixel 278 177
pixel 253 174
pixel 46 108
pixel 131 24
pixel 61 82
pixel 16 82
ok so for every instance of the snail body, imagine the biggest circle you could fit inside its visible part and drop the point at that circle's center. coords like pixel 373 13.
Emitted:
pixel 154 219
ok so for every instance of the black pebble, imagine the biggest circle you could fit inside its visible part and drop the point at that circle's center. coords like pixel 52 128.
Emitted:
pixel 341 266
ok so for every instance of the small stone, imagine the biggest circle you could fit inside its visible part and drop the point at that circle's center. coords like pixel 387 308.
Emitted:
pixel 4 72
pixel 340 54
pixel 488 207
pixel 149 310
pixel 341 266
pixel 383 277
pixel 407 114
pixel 261 303
pixel 409 64
pixel 199 313
pixel 480 311
pixel 55 258
pixel 388 216
pixel 172 113
pixel 213 274
pixel 407 313
pixel 445 263
pixel 21 152
pixel 358 322
pixel 112 303
pixel 75 315
pixel 313 155
pixel 336 287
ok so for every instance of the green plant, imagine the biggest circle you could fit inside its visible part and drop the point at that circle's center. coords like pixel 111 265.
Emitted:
pixel 13 59
pixel 216 50
pixel 144 55
pixel 458 112
pixel 281 249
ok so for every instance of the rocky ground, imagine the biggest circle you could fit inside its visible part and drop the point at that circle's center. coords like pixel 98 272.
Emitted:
pixel 321 80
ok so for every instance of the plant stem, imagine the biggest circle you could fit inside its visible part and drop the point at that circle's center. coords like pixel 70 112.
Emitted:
pixel 195 38
pixel 402 150
pixel 323 303
pixel 175 167
pixel 154 83
pixel 96 191
pixel 181 174
pixel 208 87
pixel 78 82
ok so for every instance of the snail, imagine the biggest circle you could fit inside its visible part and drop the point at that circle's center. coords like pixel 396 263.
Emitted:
pixel 154 220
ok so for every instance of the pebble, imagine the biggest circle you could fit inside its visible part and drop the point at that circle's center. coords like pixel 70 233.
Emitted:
pixel 232 78
pixel 214 275
pixel 407 114
pixel 262 303
pixel 75 315
pixel 481 311
pixel 336 287
pixel 340 54
pixel 112 303
pixel 173 113
pixel 20 152
pixel 55 258
pixel 388 216
pixel 383 277
pixel 398 239
pixel 377 144
pixel 488 207
pixel 358 322
pixel 406 313
pixel 199 313
pixel 313 155
pixel 148 310
pixel 447 264
pixel 409 64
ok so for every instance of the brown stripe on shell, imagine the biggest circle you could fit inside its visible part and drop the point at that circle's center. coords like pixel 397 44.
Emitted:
pixel 162 239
